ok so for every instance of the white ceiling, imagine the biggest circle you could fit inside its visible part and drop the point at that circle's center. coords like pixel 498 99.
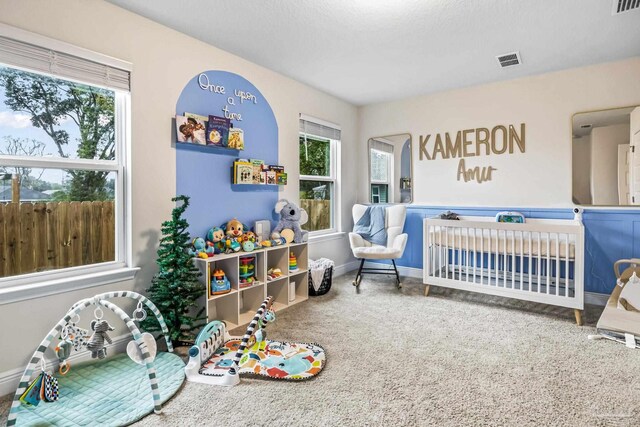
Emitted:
pixel 367 51
pixel 598 119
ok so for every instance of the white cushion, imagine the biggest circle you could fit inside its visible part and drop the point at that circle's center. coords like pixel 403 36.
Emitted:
pixel 376 252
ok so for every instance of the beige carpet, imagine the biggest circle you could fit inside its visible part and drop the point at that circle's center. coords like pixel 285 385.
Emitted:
pixel 454 358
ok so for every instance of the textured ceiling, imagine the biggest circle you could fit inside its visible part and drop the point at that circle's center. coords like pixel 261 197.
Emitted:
pixel 367 51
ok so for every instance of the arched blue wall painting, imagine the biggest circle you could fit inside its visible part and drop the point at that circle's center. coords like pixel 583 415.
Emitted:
pixel 204 173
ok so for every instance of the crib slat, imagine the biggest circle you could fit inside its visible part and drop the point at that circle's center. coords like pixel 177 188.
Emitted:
pixel 548 261
pixel 504 260
pixel 482 256
pixel 521 260
pixel 460 254
pixel 566 265
pixel 513 260
pixel 539 261
pixel 530 270
pixel 439 252
pixel 466 264
pixel 557 263
pixel 475 255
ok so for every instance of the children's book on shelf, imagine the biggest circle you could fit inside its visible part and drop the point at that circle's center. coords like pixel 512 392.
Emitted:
pixel 242 172
pixel 276 168
pixel 199 117
pixel 257 170
pixel 236 138
pixel 218 131
pixel 281 178
pixel 263 177
pixel 271 177
pixel 190 130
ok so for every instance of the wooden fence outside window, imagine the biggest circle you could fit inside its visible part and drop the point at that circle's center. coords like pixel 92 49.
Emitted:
pixel 43 236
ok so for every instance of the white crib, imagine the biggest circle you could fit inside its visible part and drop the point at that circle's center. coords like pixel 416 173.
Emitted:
pixel 541 260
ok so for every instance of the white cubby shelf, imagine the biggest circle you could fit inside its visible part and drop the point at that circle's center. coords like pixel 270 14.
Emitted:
pixel 237 307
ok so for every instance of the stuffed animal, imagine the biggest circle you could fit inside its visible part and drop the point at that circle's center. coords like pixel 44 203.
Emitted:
pixel 248 240
pixel 215 236
pixel 200 249
pixel 291 217
pixel 233 233
pixel 96 343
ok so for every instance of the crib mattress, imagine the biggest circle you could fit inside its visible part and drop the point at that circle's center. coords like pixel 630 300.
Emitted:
pixel 490 242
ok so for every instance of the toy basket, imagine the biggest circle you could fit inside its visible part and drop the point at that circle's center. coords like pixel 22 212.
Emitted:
pixel 324 286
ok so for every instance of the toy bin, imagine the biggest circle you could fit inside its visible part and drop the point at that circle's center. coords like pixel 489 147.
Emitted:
pixel 322 266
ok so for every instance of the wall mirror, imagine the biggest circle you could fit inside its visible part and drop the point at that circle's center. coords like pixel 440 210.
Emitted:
pixel 606 157
pixel 390 174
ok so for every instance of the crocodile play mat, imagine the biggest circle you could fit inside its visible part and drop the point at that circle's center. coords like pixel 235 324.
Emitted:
pixel 273 359
pixel 110 392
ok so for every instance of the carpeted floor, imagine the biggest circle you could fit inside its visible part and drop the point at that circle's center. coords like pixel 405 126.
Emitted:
pixel 454 358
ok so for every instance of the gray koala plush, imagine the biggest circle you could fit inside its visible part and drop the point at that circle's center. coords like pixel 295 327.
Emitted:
pixel 97 341
pixel 291 217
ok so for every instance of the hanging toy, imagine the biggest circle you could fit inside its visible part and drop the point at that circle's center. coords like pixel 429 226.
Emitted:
pixel 269 317
pixel 63 351
pixel 78 336
pixel 96 343
pixel 133 350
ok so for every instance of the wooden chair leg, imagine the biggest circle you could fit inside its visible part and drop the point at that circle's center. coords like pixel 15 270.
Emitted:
pixel 578 314
pixel 426 290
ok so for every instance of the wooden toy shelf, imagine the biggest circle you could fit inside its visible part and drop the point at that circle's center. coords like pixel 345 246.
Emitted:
pixel 238 306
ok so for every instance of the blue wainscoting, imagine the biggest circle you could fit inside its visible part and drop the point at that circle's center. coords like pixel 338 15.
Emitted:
pixel 609 235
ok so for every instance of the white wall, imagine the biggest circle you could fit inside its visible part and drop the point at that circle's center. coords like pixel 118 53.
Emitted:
pixel 163 62
pixel 581 163
pixel 604 162
pixel 540 177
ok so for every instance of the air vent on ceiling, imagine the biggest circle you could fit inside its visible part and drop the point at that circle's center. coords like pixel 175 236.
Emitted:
pixel 585 126
pixel 510 59
pixel 621 6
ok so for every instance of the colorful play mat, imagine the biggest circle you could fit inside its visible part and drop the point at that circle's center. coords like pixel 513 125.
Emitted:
pixel 273 359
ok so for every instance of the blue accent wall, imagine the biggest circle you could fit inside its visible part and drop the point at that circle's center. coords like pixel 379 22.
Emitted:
pixel 204 173
pixel 609 235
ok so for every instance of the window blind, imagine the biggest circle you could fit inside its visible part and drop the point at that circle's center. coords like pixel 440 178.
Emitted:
pixel 385 147
pixel 311 127
pixel 48 61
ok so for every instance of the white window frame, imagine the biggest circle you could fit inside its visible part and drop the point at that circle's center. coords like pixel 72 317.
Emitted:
pixel 40 284
pixel 388 181
pixel 334 178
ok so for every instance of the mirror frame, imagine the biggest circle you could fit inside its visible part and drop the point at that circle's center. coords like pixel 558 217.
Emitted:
pixel 410 166
pixel 572 155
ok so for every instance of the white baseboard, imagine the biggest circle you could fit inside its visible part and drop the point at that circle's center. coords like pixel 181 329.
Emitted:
pixel 343 269
pixel 592 298
pixel 9 379
pixel 595 298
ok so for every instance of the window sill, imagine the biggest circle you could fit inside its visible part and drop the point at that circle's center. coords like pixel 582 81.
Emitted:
pixel 22 292
pixel 317 238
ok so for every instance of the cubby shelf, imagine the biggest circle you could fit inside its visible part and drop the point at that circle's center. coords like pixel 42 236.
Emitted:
pixel 238 306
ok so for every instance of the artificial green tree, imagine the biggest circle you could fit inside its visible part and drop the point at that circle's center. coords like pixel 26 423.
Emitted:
pixel 176 288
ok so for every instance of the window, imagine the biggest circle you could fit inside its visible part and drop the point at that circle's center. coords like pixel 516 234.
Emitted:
pixel 380 175
pixel 63 126
pixel 319 174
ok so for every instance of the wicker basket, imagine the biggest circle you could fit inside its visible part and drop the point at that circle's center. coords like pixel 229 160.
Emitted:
pixel 324 286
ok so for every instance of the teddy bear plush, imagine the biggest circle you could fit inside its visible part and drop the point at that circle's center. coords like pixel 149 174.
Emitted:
pixel 96 343
pixel 291 217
